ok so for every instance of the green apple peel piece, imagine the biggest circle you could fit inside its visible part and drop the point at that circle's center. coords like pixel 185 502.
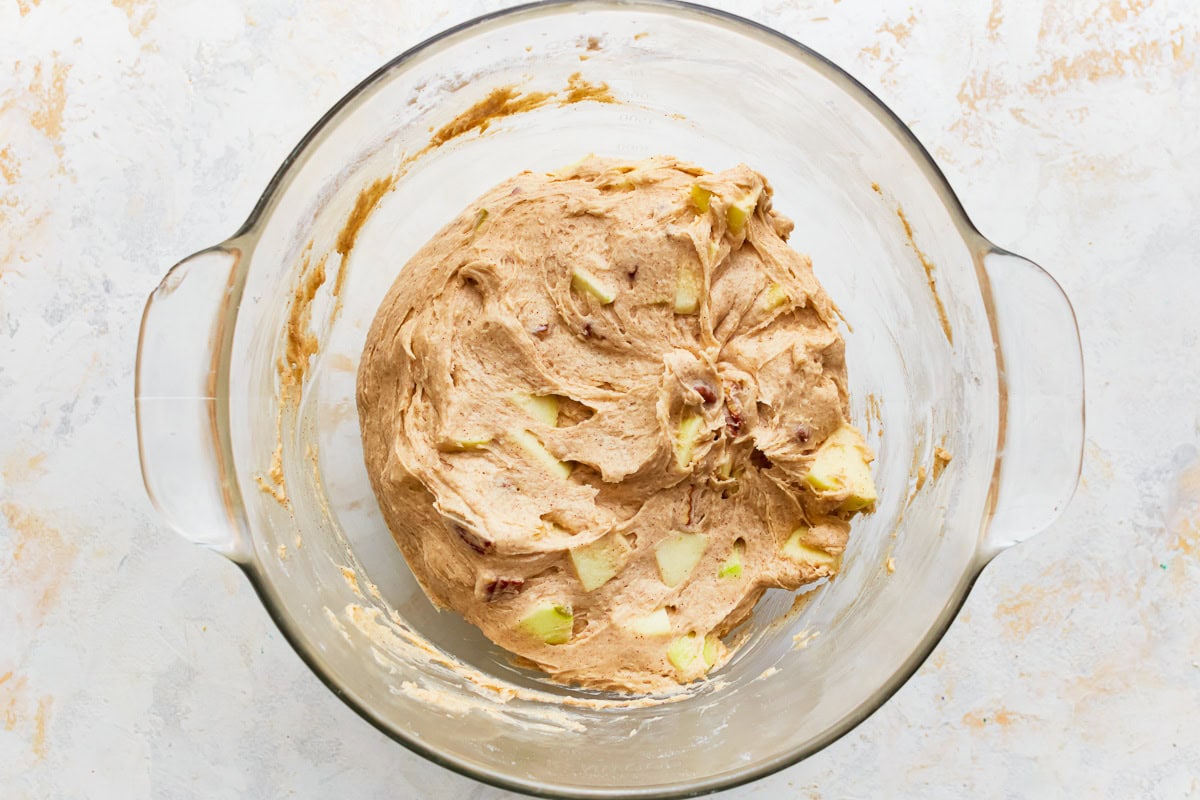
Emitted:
pixel 550 622
pixel 693 655
pixel 841 465
pixel 686 653
pixel 795 549
pixel 732 568
pixel 714 648
pixel 700 198
pixel 657 623
pixel 678 555
pixel 584 281
pixel 541 407
pixel 599 562
pixel 687 436
pixel 530 444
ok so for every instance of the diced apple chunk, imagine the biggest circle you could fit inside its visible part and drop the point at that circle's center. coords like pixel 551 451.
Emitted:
pixel 657 623
pixel 550 622
pixel 841 464
pixel 599 562
pixel 686 653
pixel 795 549
pixel 732 568
pixel 549 527
pixel 724 469
pixel 739 211
pixel 689 285
pixel 541 407
pixel 473 441
pixel 714 648
pixel 687 436
pixel 693 655
pixel 700 198
pixel 569 170
pixel 530 444
pixel 584 281
pixel 774 297
pixel 678 555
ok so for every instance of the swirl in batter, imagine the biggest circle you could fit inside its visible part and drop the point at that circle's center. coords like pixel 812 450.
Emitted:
pixel 605 409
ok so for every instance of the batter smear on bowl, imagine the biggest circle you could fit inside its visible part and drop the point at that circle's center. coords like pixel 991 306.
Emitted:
pixel 605 409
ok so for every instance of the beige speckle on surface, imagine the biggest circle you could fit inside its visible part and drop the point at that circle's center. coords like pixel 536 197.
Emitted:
pixel 995 19
pixel 24 716
pixel 48 90
pixel 22 467
pixel 981 719
pixel 1034 606
pixel 1096 65
pixel 34 568
pixel 40 718
pixel 10 168
pixel 140 14
pixel 1183 519
pixel 900 31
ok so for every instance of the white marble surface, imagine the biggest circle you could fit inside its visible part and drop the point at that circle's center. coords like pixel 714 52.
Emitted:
pixel 135 665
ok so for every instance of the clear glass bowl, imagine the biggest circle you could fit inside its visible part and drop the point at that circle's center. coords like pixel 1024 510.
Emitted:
pixel 889 241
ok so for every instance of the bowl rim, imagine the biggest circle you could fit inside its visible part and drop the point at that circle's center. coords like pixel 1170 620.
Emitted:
pixel 245 237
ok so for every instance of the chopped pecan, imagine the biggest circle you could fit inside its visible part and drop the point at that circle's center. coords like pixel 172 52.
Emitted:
pixel 473 540
pixel 694 516
pixel 496 587
pixel 733 422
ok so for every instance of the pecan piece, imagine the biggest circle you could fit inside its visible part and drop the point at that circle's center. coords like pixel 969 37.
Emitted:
pixel 733 422
pixel 496 587
pixel 479 544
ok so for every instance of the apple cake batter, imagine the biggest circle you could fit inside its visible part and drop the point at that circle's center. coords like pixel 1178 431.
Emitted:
pixel 604 410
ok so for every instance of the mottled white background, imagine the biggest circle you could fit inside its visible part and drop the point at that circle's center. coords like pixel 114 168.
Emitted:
pixel 134 665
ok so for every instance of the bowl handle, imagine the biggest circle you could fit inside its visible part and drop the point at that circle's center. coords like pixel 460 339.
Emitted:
pixel 184 326
pixel 1041 369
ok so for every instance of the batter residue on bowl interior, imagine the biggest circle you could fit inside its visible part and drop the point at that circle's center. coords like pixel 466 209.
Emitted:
pixel 299 342
pixel 926 264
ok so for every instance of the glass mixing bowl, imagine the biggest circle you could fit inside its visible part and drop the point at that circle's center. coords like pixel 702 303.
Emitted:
pixel 251 447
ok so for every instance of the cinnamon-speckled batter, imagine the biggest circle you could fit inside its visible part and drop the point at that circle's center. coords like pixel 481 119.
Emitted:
pixel 591 408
